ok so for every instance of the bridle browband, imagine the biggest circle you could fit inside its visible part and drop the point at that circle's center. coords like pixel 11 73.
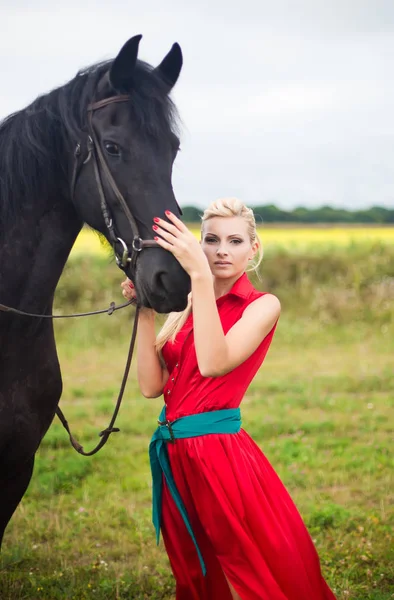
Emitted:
pixel 94 151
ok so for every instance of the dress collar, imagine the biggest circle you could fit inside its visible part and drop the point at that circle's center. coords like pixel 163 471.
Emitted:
pixel 242 288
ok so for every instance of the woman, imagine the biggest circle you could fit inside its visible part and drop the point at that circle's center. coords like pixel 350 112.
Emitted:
pixel 229 526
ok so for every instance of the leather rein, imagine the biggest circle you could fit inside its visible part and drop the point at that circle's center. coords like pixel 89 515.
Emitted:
pixel 123 258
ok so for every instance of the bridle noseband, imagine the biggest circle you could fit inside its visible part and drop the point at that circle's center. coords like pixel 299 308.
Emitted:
pixel 126 255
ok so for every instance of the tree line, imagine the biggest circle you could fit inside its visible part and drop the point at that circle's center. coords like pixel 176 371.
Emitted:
pixel 325 214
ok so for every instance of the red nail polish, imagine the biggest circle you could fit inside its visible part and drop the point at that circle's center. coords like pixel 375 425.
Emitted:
pixel 155 227
pixel 156 219
pixel 156 238
pixel 167 212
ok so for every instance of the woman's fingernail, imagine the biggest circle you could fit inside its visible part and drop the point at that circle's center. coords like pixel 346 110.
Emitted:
pixel 131 285
pixel 155 227
pixel 156 238
pixel 156 219
pixel 168 213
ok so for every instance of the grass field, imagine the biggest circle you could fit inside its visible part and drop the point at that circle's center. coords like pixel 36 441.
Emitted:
pixel 321 408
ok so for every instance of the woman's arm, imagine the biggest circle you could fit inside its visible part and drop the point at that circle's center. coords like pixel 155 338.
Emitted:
pixel 217 354
pixel 152 377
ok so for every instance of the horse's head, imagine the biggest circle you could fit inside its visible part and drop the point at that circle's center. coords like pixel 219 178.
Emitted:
pixel 123 169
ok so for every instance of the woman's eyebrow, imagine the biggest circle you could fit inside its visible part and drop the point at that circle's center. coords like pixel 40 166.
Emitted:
pixel 229 236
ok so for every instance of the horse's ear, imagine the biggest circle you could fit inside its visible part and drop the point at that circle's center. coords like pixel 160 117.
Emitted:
pixel 171 66
pixel 122 69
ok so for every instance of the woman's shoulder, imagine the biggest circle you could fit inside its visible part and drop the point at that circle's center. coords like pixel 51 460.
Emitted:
pixel 255 293
pixel 254 298
pixel 259 294
pixel 263 302
pixel 261 315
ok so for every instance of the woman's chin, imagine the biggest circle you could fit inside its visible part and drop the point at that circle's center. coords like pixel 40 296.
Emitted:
pixel 223 273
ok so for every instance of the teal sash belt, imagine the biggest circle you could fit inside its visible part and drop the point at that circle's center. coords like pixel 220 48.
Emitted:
pixel 218 421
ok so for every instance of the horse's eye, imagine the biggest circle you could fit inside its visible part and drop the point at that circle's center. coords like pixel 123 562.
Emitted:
pixel 112 149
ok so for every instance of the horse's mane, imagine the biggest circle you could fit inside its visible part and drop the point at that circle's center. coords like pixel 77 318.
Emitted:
pixel 34 141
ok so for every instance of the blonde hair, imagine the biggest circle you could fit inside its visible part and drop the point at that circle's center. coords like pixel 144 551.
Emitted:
pixel 223 207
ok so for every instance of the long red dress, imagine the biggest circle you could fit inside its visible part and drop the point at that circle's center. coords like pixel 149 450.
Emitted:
pixel 246 525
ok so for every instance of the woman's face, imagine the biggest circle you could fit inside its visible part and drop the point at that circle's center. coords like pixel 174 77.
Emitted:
pixel 226 244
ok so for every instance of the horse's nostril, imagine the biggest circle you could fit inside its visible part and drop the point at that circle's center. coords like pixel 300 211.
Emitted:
pixel 164 293
pixel 159 282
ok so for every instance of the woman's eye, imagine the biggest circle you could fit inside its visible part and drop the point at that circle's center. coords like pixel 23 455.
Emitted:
pixel 236 241
pixel 210 240
pixel 112 149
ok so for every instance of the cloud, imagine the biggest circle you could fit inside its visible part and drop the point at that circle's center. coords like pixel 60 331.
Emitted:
pixel 281 101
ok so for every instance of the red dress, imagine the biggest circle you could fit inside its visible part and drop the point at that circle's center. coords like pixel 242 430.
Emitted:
pixel 246 525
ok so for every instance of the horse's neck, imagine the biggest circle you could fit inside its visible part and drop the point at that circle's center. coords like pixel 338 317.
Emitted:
pixel 33 255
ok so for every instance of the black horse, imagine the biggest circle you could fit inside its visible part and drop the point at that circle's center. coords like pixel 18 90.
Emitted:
pixel 98 150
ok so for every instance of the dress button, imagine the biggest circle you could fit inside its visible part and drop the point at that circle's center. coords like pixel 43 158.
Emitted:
pixel 172 378
pixel 176 365
pixel 168 392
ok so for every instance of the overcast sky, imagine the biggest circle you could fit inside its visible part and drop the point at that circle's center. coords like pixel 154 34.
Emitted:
pixel 286 102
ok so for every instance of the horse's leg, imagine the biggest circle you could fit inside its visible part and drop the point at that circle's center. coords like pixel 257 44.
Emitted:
pixel 12 490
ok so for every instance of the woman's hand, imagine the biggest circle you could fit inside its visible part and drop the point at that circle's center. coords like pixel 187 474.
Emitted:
pixel 177 239
pixel 128 289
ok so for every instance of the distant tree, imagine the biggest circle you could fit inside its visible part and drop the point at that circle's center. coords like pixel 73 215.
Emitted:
pixel 302 215
pixel 365 216
pixel 271 214
pixel 390 216
pixel 379 214
pixel 191 214
pixel 325 214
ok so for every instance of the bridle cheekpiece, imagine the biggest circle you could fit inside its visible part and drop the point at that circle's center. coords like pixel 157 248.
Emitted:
pixel 125 256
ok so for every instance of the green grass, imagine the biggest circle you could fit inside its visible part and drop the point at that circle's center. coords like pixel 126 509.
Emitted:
pixel 322 416
pixel 321 408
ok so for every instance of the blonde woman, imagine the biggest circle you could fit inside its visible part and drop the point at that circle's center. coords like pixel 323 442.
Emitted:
pixel 229 525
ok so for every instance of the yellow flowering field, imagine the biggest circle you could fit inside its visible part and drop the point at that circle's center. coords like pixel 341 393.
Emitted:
pixel 287 237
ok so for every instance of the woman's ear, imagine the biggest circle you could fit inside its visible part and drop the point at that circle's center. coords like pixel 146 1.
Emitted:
pixel 255 247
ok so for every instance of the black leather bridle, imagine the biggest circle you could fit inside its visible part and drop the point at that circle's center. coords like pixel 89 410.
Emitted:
pixel 127 256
